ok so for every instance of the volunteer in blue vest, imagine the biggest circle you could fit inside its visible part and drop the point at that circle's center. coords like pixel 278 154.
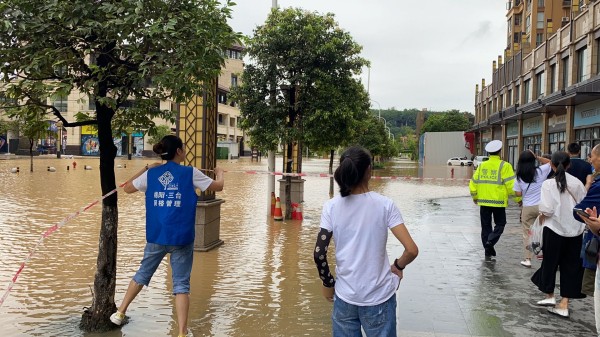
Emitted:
pixel 170 222
pixel 490 187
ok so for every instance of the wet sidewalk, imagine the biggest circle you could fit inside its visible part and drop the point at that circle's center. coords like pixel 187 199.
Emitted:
pixel 450 290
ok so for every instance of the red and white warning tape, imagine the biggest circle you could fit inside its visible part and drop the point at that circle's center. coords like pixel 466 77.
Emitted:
pixel 47 233
pixel 327 175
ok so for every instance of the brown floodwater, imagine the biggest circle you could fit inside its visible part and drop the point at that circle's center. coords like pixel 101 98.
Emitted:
pixel 261 282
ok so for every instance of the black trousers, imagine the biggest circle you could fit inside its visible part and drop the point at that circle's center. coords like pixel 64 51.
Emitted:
pixel 487 233
pixel 560 252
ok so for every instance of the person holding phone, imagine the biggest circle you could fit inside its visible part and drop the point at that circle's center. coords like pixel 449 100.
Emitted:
pixel 364 293
pixel 529 185
pixel 561 237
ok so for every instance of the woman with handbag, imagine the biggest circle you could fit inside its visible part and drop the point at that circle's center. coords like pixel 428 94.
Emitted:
pixel 561 238
pixel 529 185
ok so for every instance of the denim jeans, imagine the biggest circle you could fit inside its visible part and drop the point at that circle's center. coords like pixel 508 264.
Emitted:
pixel 377 320
pixel 181 260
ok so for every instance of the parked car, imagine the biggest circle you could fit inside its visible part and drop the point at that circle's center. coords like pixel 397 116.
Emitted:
pixel 478 160
pixel 459 161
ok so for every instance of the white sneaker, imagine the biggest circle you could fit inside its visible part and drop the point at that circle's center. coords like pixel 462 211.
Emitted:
pixel 547 302
pixel 117 318
pixel 526 263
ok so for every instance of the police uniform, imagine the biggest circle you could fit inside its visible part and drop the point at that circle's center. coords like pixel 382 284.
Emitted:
pixel 490 187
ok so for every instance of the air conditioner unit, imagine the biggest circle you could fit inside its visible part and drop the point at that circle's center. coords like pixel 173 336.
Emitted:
pixel 565 19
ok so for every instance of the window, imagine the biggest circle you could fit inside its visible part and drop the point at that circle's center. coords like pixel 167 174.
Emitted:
pixel 557 141
pixel 232 121
pixel 221 119
pixel 517 37
pixel 234 81
pixel 582 73
pixel 234 54
pixel 565 72
pixel 539 39
pixel 500 102
pixel 587 139
pixel 518 20
pixel 540 3
pixel 509 98
pixel 517 94
pixel 60 103
pixel 598 56
pixel 528 24
pixel 91 103
pixel 533 143
pixel 509 25
pixel 540 20
pixel 222 97
pixel 552 78
pixel 527 93
pixel 540 84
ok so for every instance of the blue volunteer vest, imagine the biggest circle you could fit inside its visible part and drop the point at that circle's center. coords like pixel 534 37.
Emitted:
pixel 170 205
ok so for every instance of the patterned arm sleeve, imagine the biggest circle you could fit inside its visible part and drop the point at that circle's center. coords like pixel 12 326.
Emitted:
pixel 320 256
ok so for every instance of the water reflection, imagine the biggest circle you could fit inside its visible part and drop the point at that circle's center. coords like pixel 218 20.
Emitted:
pixel 260 282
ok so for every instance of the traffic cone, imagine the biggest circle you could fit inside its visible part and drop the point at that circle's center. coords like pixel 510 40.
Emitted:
pixel 277 215
pixel 299 212
pixel 294 208
pixel 272 203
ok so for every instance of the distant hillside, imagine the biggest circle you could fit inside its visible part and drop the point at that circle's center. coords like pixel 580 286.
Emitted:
pixel 402 122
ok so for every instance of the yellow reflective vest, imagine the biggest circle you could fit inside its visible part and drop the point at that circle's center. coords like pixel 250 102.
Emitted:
pixel 492 183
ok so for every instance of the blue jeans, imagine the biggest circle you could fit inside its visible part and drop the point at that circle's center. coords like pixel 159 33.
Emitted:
pixel 377 320
pixel 181 265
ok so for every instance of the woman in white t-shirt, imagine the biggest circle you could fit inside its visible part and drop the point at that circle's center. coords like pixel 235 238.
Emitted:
pixel 364 293
pixel 562 237
pixel 529 185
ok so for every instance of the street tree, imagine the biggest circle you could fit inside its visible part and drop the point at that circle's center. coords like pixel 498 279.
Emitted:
pixel 452 120
pixel 157 133
pixel 30 123
pixel 118 53
pixel 373 136
pixel 299 86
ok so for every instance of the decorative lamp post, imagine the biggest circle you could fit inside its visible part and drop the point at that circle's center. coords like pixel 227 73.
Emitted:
pixel 59 126
pixel 129 142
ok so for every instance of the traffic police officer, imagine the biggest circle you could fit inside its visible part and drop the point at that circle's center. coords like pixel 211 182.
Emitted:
pixel 490 187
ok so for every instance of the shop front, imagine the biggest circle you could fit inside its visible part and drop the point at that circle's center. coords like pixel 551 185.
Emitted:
pixel 586 123
pixel 557 124
pixel 512 143
pixel 532 134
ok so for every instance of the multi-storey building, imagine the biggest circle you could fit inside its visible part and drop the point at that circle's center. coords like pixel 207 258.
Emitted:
pixel 549 97
pixel 84 141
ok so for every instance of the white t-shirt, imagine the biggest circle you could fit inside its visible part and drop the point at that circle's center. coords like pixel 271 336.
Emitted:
pixel 531 192
pixel 558 207
pixel 200 180
pixel 360 224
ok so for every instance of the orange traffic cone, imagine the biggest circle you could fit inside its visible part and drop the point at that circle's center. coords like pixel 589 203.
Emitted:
pixel 278 216
pixel 272 203
pixel 294 208
pixel 299 212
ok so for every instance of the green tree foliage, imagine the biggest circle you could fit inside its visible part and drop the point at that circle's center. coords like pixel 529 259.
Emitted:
pixel 116 52
pixel 30 123
pixel 449 121
pixel 158 133
pixel 310 54
pixel 373 136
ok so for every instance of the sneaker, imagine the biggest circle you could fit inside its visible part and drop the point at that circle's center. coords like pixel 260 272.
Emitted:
pixel 117 318
pixel 526 263
pixel 547 302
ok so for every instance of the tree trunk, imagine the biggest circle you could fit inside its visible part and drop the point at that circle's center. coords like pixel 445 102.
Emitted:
pixel 97 317
pixel 288 182
pixel 331 172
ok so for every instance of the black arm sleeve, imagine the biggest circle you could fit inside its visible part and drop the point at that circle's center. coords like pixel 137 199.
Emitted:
pixel 320 256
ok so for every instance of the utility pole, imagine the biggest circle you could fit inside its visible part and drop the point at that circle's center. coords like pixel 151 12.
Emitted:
pixel 271 163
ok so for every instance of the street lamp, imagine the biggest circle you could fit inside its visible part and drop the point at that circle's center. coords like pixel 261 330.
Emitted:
pixel 59 125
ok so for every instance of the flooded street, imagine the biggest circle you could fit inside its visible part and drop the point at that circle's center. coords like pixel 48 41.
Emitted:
pixel 261 282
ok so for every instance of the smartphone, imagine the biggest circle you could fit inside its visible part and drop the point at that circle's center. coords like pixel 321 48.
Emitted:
pixel 581 212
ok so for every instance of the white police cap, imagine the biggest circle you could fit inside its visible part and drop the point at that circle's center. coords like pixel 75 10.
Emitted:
pixel 493 146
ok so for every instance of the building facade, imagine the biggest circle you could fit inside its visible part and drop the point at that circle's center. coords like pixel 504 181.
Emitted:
pixel 549 97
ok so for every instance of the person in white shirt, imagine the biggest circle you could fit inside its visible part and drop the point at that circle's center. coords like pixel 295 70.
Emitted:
pixel 364 293
pixel 562 237
pixel 529 185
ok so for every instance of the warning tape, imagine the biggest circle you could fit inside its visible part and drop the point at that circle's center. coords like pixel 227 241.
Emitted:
pixel 327 175
pixel 47 233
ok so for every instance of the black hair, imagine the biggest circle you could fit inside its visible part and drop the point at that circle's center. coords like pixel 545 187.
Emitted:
pixel 526 167
pixel 354 163
pixel 494 153
pixel 561 161
pixel 574 148
pixel 167 147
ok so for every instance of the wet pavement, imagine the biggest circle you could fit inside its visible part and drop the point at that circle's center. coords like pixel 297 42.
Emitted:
pixel 451 290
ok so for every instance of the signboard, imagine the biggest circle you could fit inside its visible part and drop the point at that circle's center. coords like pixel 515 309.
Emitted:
pixel 512 130
pixel 90 146
pixel 532 126
pixel 587 114
pixel 557 123
pixel 89 130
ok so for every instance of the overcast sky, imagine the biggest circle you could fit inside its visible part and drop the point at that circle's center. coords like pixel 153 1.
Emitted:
pixel 423 54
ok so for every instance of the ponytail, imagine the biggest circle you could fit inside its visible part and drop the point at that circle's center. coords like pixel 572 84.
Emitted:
pixel 561 162
pixel 354 163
